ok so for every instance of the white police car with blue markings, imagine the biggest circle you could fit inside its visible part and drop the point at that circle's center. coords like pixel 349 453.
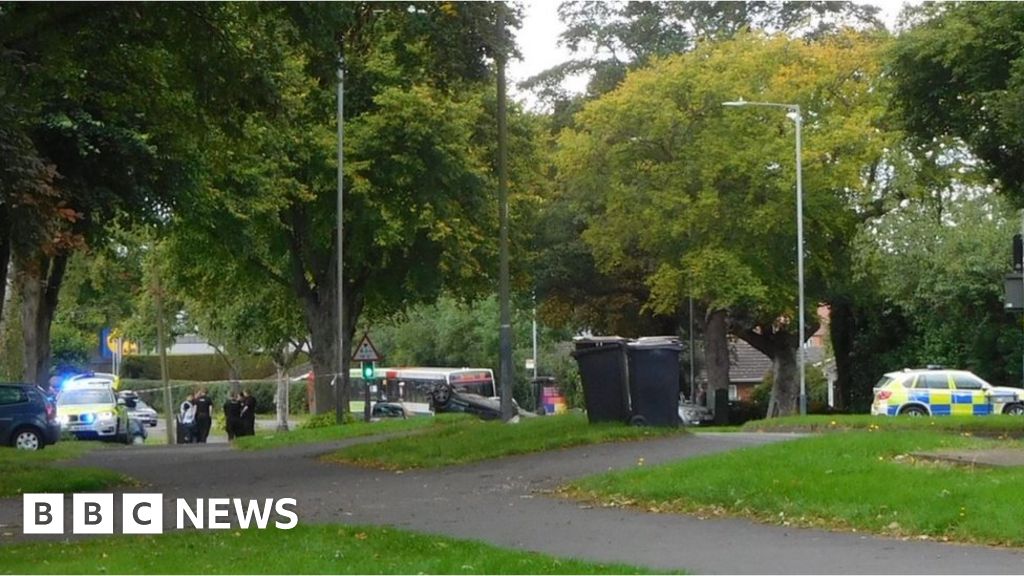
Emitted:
pixel 941 392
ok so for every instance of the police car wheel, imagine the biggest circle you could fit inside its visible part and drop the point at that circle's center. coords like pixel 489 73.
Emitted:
pixel 914 411
pixel 1014 409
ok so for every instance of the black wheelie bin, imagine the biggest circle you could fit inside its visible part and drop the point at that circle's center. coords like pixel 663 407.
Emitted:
pixel 654 381
pixel 604 371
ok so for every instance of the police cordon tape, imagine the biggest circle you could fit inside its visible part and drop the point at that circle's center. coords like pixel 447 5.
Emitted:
pixel 144 513
pixel 208 384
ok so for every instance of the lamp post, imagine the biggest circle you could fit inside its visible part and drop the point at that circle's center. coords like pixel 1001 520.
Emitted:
pixel 340 375
pixel 798 119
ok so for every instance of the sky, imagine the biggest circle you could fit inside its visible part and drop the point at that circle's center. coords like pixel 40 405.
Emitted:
pixel 538 42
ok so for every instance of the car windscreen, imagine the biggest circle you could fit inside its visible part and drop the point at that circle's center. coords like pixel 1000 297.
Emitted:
pixel 96 396
pixel 882 383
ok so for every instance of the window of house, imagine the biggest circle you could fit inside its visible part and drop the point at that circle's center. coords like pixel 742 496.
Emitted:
pixel 734 393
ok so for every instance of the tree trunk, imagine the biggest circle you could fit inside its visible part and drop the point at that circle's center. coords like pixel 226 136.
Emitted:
pixel 781 347
pixel 841 329
pixel 281 399
pixel 785 398
pixel 40 279
pixel 716 354
pixel 5 255
pixel 283 359
pixel 323 328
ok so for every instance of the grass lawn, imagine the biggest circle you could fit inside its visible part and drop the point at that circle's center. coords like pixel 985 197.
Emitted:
pixel 469 440
pixel 860 480
pixel 302 550
pixel 263 440
pixel 999 425
pixel 24 471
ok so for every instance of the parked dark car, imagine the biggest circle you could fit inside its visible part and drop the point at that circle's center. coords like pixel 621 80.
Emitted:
pixel 28 418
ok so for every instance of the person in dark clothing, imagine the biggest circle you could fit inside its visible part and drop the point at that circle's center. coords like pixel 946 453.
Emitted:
pixel 203 407
pixel 233 416
pixel 248 414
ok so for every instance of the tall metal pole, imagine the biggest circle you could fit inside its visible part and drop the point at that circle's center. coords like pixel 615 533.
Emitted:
pixel 161 346
pixel 505 330
pixel 800 259
pixel 534 337
pixel 340 376
pixel 693 383
pixel 795 109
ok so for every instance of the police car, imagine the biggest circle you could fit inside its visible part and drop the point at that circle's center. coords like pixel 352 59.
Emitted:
pixel 937 391
pixel 89 409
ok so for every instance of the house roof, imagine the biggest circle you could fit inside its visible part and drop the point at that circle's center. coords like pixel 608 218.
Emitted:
pixel 747 365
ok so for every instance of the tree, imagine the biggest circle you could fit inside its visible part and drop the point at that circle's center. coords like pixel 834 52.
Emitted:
pixel 417 165
pixel 700 199
pixel 237 309
pixel 959 73
pixel 940 265
pixel 610 38
pixel 107 107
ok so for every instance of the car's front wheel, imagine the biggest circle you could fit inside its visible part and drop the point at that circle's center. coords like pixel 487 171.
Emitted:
pixel 1014 409
pixel 914 411
pixel 27 439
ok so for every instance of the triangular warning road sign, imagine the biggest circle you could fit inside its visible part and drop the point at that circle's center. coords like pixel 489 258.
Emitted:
pixel 365 352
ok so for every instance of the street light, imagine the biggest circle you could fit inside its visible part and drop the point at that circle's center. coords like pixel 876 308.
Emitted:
pixel 795 110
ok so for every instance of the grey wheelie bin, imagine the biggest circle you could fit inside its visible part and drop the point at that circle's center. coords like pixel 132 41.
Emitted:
pixel 654 381
pixel 604 373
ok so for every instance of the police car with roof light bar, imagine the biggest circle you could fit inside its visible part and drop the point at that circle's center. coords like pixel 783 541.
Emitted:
pixel 936 391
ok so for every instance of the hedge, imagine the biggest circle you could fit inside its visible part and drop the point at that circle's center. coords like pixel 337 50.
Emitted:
pixel 198 367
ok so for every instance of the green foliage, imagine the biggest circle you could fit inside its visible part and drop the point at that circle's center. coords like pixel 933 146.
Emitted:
pixel 71 348
pixel 197 367
pixel 995 426
pixel 462 440
pixel 868 481
pixel 939 266
pixel 959 72
pixel 35 472
pixel 317 549
pixel 607 39
pixel 320 421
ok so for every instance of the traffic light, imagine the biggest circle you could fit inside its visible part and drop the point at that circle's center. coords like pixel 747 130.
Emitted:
pixel 367 371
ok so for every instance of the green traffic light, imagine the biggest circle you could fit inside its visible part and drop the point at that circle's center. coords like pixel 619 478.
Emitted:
pixel 367 371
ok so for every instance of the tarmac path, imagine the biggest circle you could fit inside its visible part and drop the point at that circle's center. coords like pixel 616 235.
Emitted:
pixel 507 502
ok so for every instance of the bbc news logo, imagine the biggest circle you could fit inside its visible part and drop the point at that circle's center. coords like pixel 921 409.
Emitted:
pixel 144 513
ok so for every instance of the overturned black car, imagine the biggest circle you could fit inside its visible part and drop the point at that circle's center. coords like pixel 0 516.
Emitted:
pixel 444 398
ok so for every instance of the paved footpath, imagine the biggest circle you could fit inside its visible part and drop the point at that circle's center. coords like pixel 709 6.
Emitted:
pixel 506 502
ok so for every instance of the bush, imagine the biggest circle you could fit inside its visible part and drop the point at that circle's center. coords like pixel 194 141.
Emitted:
pixel 196 367
pixel 324 420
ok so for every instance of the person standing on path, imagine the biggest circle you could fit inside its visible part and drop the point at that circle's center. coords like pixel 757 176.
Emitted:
pixel 187 420
pixel 248 422
pixel 233 416
pixel 203 406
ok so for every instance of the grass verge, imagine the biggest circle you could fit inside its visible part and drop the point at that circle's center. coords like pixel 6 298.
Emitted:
pixel 330 433
pixel 467 440
pixel 864 480
pixel 997 426
pixel 302 550
pixel 24 471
